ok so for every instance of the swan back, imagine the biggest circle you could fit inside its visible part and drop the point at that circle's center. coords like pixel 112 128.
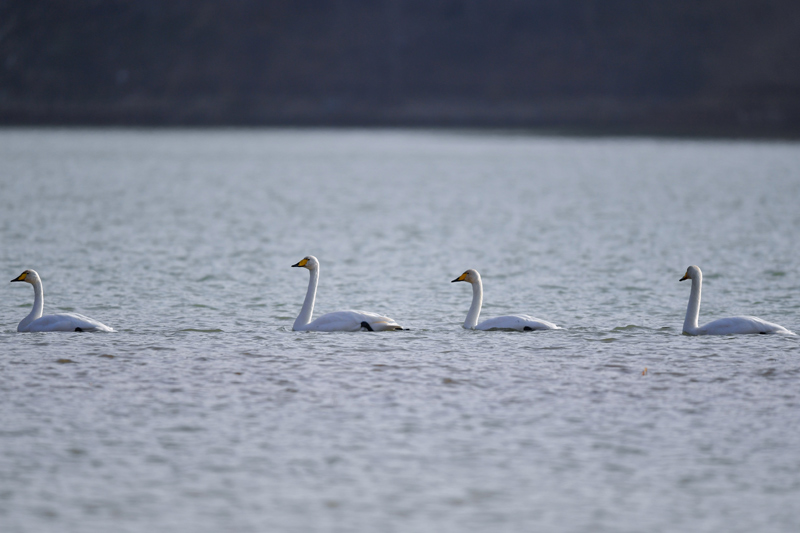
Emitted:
pixel 740 325
pixel 517 322
pixel 351 321
pixel 65 322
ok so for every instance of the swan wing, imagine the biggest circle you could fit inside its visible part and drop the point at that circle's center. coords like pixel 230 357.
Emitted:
pixel 740 325
pixel 378 322
pixel 351 321
pixel 66 322
pixel 517 322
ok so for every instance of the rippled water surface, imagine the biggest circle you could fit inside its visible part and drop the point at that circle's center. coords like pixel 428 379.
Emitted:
pixel 204 412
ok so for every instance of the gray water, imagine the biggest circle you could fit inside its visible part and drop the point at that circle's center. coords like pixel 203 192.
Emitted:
pixel 204 412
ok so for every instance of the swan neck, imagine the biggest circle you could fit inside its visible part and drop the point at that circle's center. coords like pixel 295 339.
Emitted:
pixel 693 309
pixel 308 305
pixel 38 306
pixel 475 308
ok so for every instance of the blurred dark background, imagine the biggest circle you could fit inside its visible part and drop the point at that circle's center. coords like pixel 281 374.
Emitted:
pixel 706 67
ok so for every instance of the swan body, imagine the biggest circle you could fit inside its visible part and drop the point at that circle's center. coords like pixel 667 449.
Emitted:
pixel 61 322
pixel 737 325
pixel 517 322
pixel 339 320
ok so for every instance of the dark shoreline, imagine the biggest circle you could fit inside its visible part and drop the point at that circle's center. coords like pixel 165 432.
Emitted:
pixel 577 131
pixel 583 67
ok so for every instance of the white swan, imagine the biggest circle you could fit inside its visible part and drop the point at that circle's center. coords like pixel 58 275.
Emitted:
pixel 61 322
pixel 723 326
pixel 518 322
pixel 338 320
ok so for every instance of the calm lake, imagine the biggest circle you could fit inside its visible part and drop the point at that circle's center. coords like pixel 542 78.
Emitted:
pixel 205 412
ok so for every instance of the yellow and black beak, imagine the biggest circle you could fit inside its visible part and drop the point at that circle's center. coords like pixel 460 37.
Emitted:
pixel 21 277
pixel 462 277
pixel 685 276
pixel 303 262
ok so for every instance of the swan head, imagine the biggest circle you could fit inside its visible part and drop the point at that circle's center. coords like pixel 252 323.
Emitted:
pixel 29 276
pixel 693 273
pixel 310 262
pixel 470 276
